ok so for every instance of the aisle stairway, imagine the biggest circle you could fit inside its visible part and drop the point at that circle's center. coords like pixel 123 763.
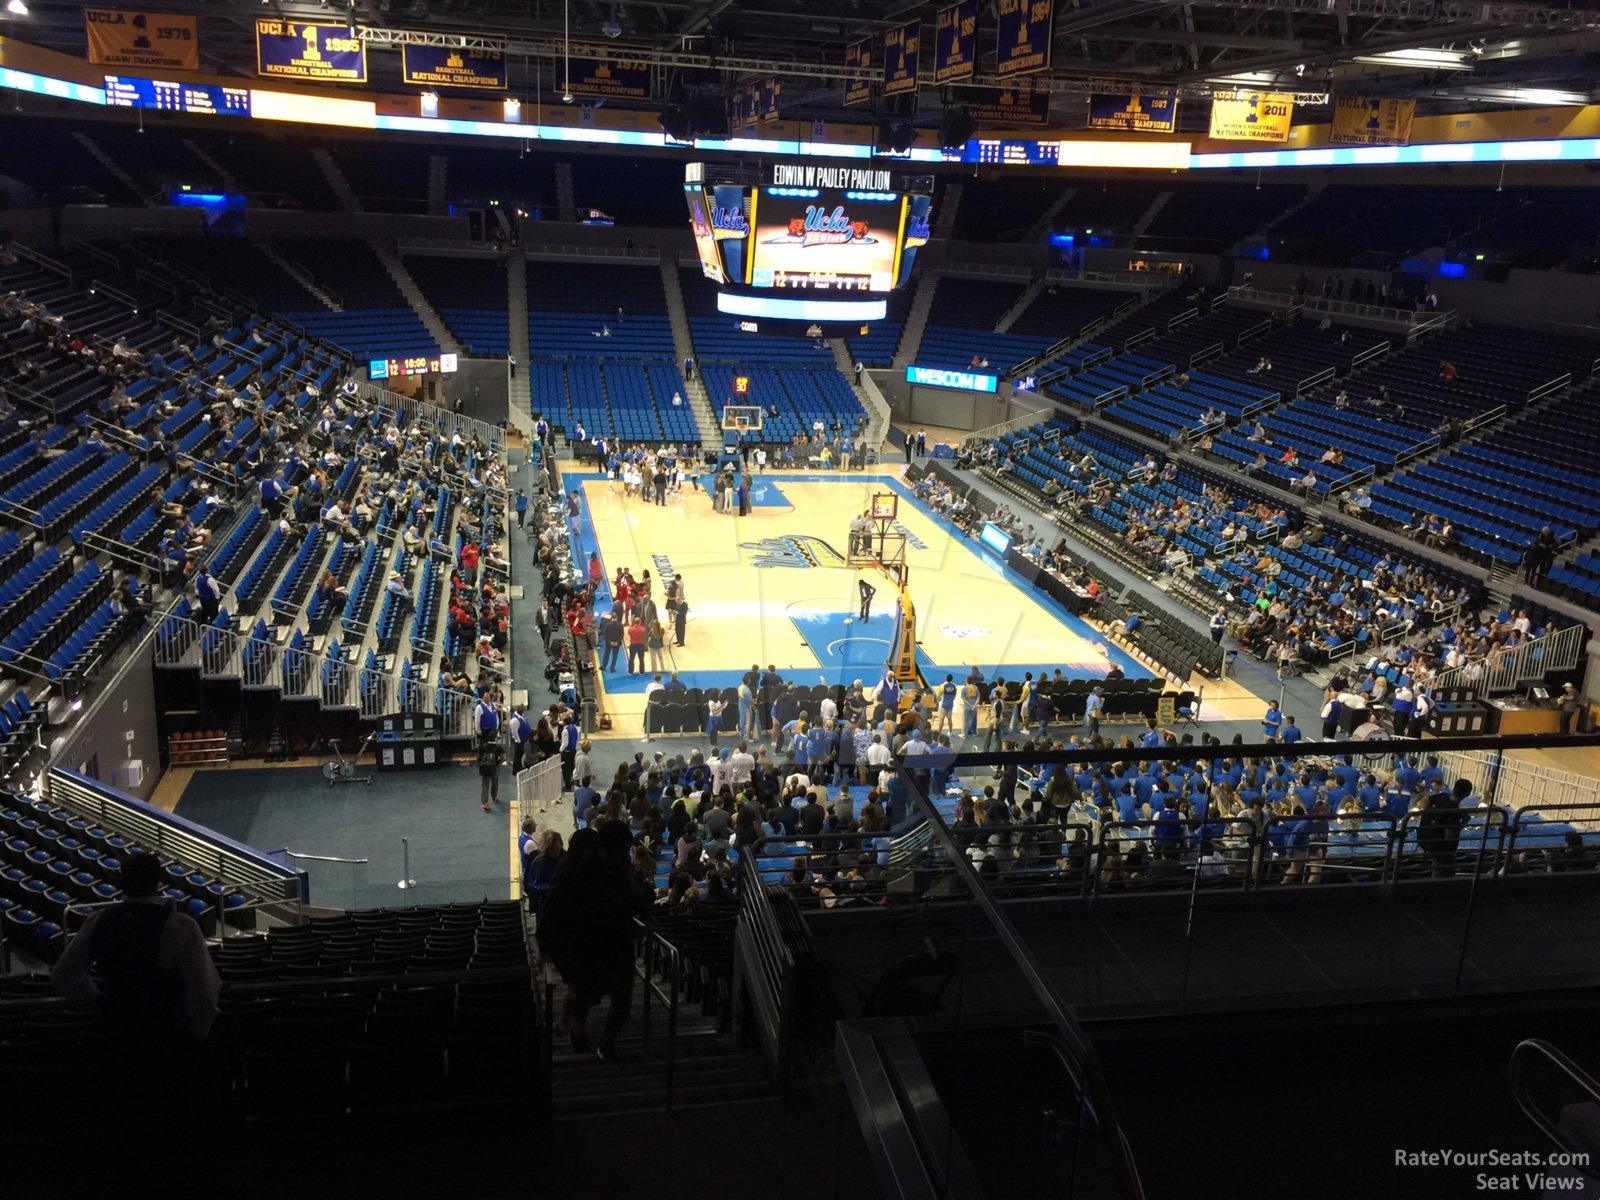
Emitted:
pixel 520 398
pixel 110 164
pixel 683 347
pixel 336 180
pixel 916 321
pixel 304 279
pixel 431 320
pixel 566 202
pixel 438 185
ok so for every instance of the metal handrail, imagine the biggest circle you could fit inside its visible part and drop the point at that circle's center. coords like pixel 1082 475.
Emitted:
pixel 1523 1058
pixel 654 943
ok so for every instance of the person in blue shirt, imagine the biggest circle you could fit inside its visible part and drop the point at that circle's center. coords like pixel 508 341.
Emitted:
pixel 1151 738
pixel 1347 774
pixel 1431 776
pixel 522 507
pixel 1094 705
pixel 1370 794
pixel 947 705
pixel 1271 723
pixel 521 739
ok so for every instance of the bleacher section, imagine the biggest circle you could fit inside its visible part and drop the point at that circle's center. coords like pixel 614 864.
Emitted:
pixel 477 175
pixel 632 190
pixel 233 263
pixel 376 321
pixel 274 172
pixel 876 347
pixel 961 323
pixel 1213 216
pixel 386 176
pixel 1002 209
pixel 1062 311
pixel 470 294
pixel 1346 221
pixel 56 165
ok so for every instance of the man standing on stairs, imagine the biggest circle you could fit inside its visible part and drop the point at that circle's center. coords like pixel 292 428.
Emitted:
pixel 511 361
pixel 209 592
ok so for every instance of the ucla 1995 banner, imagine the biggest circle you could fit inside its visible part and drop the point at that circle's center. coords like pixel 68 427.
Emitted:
pixel 127 38
pixel 600 76
pixel 955 42
pixel 443 66
pixel 902 56
pixel 1138 110
pixel 1371 121
pixel 858 58
pixel 1251 116
pixel 1022 36
pixel 307 50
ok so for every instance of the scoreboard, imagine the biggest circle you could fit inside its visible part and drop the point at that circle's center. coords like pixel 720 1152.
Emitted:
pixel 411 365
pixel 124 91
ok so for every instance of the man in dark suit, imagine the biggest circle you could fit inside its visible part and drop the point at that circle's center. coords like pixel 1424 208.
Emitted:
pixel 812 817
pixel 1439 830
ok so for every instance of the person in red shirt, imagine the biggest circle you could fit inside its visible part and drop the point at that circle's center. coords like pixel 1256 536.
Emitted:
pixel 596 572
pixel 636 640
pixel 469 560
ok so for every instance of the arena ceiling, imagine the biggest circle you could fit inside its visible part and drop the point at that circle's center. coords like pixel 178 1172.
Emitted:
pixel 1452 55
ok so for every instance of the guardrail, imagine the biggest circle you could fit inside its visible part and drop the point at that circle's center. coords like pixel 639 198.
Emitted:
pixel 555 252
pixel 1530 663
pixel 99 286
pixel 1375 352
pixel 1426 446
pixel 1554 385
pixel 170 836
pixel 1417 322
pixel 1314 381
pixel 1482 419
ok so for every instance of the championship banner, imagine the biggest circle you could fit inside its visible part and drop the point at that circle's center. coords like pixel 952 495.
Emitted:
pixel 1371 121
pixel 307 50
pixel 1022 36
pixel 1251 116
pixel 621 78
pixel 442 66
pixel 1020 105
pixel 955 42
pixel 768 94
pixel 1139 110
pixel 858 58
pixel 902 55
pixel 119 38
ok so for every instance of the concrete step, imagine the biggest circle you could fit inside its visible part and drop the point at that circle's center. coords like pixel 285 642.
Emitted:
pixel 336 180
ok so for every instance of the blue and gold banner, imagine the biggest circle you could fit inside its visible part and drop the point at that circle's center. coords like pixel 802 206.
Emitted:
pixel 955 42
pixel 624 79
pixel 442 66
pixel 902 56
pixel 1023 104
pixel 125 38
pixel 858 58
pixel 1022 36
pixel 1138 110
pixel 1371 121
pixel 307 50
pixel 1251 116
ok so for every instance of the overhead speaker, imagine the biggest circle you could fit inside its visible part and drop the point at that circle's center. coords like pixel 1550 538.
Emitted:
pixel 709 116
pixel 957 128
pixel 675 123
pixel 897 136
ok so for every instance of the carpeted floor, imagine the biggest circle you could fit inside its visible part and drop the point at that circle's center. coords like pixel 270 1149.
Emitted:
pixel 458 852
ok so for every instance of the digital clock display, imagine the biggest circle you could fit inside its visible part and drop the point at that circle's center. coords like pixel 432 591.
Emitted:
pixel 411 365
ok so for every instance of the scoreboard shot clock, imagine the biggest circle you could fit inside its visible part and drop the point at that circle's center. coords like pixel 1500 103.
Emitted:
pixel 411 365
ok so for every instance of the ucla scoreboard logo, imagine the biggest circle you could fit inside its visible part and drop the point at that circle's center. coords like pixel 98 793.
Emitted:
pixel 729 222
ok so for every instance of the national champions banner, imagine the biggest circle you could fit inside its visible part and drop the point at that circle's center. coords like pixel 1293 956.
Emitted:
pixel 1022 36
pixel 955 42
pixel 1371 121
pixel 127 38
pixel 444 66
pixel 600 75
pixel 902 57
pixel 858 59
pixel 1251 116
pixel 1138 110
pixel 1023 104
pixel 308 50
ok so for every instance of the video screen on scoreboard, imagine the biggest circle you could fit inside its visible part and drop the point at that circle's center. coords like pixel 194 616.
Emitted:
pixel 824 240
pixel 705 239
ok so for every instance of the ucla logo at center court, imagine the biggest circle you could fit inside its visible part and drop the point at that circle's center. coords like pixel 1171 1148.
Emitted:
pixel 792 551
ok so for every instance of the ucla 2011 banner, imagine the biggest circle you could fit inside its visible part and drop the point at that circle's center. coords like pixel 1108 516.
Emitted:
pixel 858 58
pixel 442 66
pixel 902 57
pixel 1138 110
pixel 602 76
pixel 307 50
pixel 1023 104
pixel 119 38
pixel 1022 36
pixel 955 42
pixel 1371 121
pixel 1251 116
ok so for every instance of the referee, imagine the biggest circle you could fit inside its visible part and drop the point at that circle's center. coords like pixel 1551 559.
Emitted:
pixel 867 593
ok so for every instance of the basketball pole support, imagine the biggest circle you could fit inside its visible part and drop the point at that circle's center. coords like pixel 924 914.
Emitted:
pixel 888 558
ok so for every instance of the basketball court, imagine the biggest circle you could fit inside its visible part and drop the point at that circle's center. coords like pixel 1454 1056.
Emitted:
pixel 780 586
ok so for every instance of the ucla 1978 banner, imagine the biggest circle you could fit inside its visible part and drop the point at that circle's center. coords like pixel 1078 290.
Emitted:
pixel 902 56
pixel 1251 116
pixel 1022 36
pixel 128 38
pixel 443 66
pixel 604 76
pixel 858 58
pixel 307 50
pixel 1023 104
pixel 955 42
pixel 1138 110
pixel 1371 121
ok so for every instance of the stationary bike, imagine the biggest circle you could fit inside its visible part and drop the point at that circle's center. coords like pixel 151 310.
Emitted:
pixel 340 769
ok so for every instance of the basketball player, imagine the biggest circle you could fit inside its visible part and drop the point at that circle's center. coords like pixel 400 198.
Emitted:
pixel 947 705
pixel 867 593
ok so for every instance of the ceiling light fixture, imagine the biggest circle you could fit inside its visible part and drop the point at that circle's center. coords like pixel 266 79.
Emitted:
pixel 566 52
pixel 16 8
